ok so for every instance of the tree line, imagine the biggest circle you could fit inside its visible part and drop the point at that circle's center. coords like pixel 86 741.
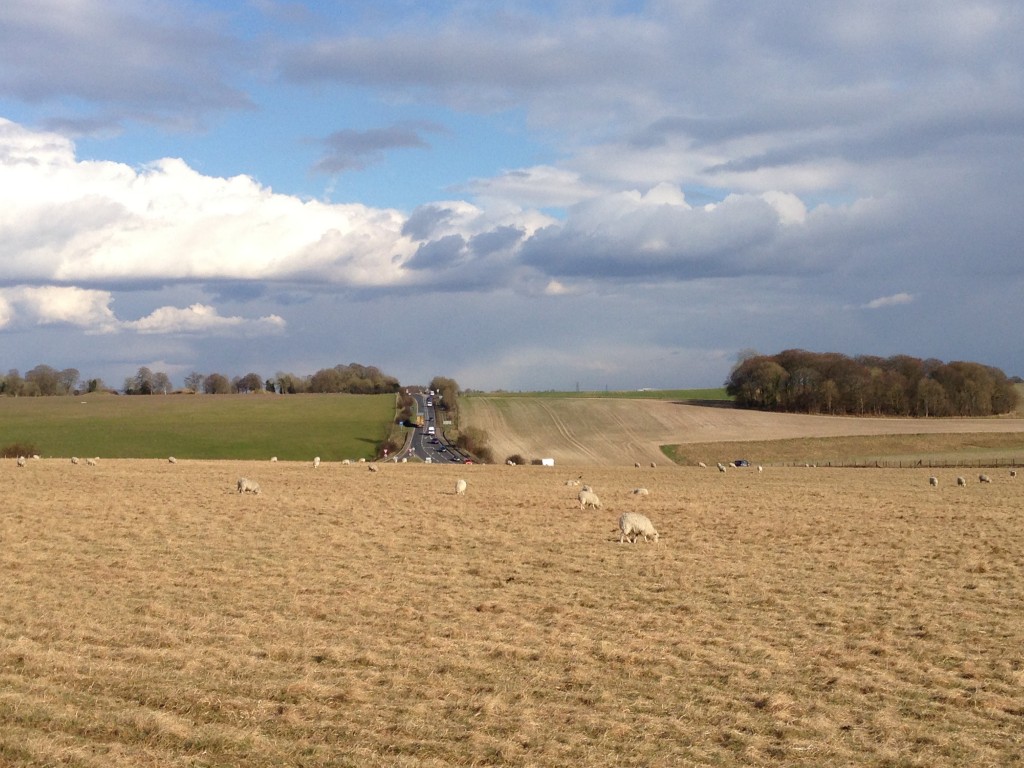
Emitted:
pixel 44 380
pixel 796 380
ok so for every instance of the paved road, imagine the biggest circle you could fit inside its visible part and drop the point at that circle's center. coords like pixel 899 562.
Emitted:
pixel 425 446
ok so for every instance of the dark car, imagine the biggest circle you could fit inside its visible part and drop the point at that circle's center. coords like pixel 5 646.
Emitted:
pixel 741 462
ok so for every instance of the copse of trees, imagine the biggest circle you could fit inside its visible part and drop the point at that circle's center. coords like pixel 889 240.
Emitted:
pixel 796 380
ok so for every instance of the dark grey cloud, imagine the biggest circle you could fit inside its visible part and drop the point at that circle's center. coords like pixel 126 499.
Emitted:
pixel 168 61
pixel 353 150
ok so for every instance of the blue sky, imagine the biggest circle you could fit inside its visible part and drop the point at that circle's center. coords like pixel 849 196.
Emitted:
pixel 519 196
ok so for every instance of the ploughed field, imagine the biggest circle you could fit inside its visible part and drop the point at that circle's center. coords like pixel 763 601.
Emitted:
pixel 152 616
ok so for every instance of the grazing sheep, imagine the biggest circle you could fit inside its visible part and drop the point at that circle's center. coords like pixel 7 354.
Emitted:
pixel 588 499
pixel 346 461
pixel 633 524
pixel 1013 472
pixel 640 492
pixel 636 464
pixel 245 485
pixel 721 467
pixel 933 481
pixel 37 456
pixel 372 467
pixel 984 479
pixel 171 460
pixel 316 462
pixel 702 465
pixel 572 483
pixel 74 459
pixel 21 461
pixel 961 481
pixel 460 487
pixel 273 458
pixel 653 465
pixel 760 468
pixel 91 462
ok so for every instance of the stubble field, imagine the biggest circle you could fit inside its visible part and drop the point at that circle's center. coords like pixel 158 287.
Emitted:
pixel 151 616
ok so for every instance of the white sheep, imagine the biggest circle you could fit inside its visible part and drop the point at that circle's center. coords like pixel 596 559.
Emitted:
pixel 372 467
pixel 984 479
pixel 460 487
pixel 702 465
pixel 588 499
pixel 633 524
pixel 245 485
pixel 962 482
pixel 273 458
pixel 74 459
pixel 21 461
pixel 636 464
pixel 91 462
pixel 760 468
pixel 639 492
pixel 316 462
pixel 1013 472
pixel 346 461
pixel 933 481
pixel 37 456
pixel 572 483
pixel 721 467
pixel 171 460
pixel 653 465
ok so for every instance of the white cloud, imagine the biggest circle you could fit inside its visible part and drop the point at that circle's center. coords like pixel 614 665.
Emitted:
pixel 889 301
pixel 203 319
pixel 57 305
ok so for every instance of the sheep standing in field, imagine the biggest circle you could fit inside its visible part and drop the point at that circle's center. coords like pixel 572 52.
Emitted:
pixel 91 462
pixel 961 482
pixel 702 465
pixel 636 465
pixel 633 524
pixel 933 481
pixel 1013 473
pixel 572 483
pixel 460 487
pixel 74 459
pixel 588 499
pixel 372 467
pixel 316 462
pixel 984 479
pixel 273 458
pixel 21 461
pixel 760 468
pixel 640 492
pixel 245 485
pixel 171 460
pixel 653 465
pixel 721 467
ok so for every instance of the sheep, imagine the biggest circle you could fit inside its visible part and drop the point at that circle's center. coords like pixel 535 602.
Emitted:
pixel 721 467
pixel 1013 472
pixel 372 467
pixel 346 461
pixel 586 488
pixel 588 499
pixel 760 468
pixel 171 460
pixel 933 481
pixel 273 458
pixel 36 456
pixel 460 487
pixel 961 482
pixel 633 524
pixel 640 492
pixel 91 462
pixel 653 465
pixel 702 465
pixel 21 461
pixel 316 462
pixel 245 485
pixel 74 459
pixel 572 483
pixel 984 479
pixel 636 464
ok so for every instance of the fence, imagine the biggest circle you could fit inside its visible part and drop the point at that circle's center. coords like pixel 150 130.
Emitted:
pixel 980 463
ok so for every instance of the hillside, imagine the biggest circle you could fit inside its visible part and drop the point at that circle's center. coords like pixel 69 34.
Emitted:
pixel 608 432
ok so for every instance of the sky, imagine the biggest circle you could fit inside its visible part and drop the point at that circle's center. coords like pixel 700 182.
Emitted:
pixel 522 196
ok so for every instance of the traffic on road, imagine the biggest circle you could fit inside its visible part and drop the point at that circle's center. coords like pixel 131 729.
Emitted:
pixel 428 442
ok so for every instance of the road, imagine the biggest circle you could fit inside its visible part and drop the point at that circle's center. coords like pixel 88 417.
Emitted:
pixel 426 447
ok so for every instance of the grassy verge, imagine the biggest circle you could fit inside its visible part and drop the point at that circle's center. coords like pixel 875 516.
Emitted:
pixel 938 449
pixel 293 427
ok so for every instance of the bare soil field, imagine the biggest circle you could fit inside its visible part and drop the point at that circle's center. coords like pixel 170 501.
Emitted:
pixel 152 616
pixel 612 432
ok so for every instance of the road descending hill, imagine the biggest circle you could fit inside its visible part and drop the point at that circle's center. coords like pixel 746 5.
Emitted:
pixel 611 431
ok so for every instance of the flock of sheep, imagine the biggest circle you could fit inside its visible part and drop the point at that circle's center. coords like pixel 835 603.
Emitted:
pixel 961 482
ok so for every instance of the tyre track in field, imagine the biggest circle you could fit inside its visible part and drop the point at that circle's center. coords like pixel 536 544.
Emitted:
pixel 567 434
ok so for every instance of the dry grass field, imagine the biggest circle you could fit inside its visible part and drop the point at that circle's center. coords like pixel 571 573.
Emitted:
pixel 151 616
pixel 617 432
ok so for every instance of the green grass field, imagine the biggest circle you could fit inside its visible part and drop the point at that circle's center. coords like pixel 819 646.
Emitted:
pixel 293 427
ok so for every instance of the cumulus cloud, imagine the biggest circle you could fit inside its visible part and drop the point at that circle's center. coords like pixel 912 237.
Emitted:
pixel 203 319
pixel 57 305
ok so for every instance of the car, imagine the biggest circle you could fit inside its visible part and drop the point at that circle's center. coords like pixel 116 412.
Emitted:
pixel 741 462
pixel 468 461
